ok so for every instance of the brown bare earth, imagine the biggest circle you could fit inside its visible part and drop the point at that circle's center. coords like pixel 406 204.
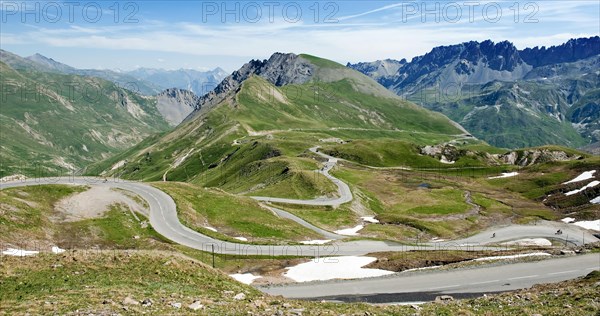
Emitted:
pixel 92 203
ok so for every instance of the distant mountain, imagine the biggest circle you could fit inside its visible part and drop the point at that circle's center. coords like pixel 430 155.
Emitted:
pixel 55 128
pixel 176 104
pixel 497 92
pixel 198 82
pixel 145 81
pixel 52 64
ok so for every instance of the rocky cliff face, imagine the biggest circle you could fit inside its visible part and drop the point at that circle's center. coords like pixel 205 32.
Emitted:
pixel 176 104
pixel 280 69
pixel 507 97
pixel 573 50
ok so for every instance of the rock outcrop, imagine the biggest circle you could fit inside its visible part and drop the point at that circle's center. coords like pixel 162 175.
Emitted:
pixel 280 69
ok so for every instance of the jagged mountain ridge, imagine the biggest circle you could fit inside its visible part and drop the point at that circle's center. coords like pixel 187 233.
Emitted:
pixel 176 104
pixel 280 69
pixel 452 80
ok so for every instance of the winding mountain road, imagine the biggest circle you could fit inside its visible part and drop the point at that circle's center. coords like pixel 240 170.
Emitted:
pixel 426 285
pixel 163 218
pixel 345 195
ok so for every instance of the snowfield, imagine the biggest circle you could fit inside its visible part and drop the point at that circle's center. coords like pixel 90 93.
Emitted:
pixel 582 177
pixel 535 254
pixel 595 225
pixel 57 250
pixel 315 242
pixel 568 220
pixel 349 231
pixel 246 278
pixel 370 219
pixel 348 267
pixel 19 252
pixel 530 242
pixel 505 175
pixel 596 200
pixel 589 185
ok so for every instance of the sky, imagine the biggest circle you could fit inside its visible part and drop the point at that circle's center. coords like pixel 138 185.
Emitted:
pixel 204 35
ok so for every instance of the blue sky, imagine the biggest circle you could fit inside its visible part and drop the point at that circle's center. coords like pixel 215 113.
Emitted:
pixel 207 34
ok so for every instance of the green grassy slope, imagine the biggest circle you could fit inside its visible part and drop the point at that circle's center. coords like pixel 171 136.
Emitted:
pixel 54 123
pixel 256 140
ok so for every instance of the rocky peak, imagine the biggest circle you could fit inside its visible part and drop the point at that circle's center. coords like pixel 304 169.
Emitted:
pixel 573 50
pixel 280 69
pixel 176 104
pixel 180 95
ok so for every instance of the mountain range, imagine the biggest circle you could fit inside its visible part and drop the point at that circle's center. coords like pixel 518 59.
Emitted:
pixel 505 96
pixel 145 81
pixel 260 121
pixel 57 119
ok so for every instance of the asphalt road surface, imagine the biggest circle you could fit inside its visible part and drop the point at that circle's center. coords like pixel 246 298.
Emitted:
pixel 488 279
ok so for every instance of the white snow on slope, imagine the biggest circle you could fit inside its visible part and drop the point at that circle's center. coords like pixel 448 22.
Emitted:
pixel 315 242
pixel 582 177
pixel 595 201
pixel 535 254
pixel 370 219
pixel 211 228
pixel 246 278
pixel 348 267
pixel 19 252
pixel 567 220
pixel 505 175
pixel 241 238
pixel 589 185
pixel 530 242
pixel 595 225
pixel 349 231
pixel 57 250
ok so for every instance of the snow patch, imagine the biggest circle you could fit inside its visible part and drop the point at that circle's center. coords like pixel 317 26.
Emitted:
pixel 595 225
pixel 348 267
pixel 349 231
pixel 241 238
pixel 505 175
pixel 424 268
pixel 246 278
pixel 57 250
pixel 589 185
pixel 446 161
pixel 370 219
pixel 19 252
pixel 211 228
pixel 567 220
pixel 535 254
pixel 315 242
pixel 582 177
pixel 595 201
pixel 530 242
